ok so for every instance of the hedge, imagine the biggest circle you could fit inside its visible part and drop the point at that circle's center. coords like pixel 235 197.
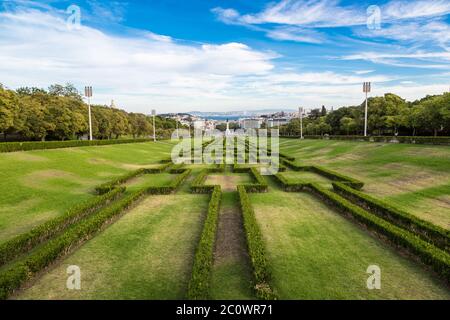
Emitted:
pixel 440 237
pixel 256 248
pixel 41 145
pixel 173 186
pixel 198 288
pixel 429 254
pixel 198 186
pixel 385 139
pixel 335 176
pixel 110 185
pixel 287 185
pixel 28 240
pixel 260 184
pixel 19 272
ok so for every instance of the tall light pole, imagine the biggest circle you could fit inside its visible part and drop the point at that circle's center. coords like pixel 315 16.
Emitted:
pixel 154 126
pixel 366 89
pixel 300 113
pixel 88 94
pixel 178 135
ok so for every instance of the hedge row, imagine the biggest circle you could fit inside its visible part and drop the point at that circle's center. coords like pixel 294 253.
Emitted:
pixel 19 272
pixel 41 145
pixel 287 185
pixel 260 184
pixel 173 186
pixel 256 248
pixel 336 176
pixel 198 288
pixel 110 185
pixel 429 254
pixel 198 186
pixel 426 230
pixel 29 240
pixel 330 174
pixel 385 139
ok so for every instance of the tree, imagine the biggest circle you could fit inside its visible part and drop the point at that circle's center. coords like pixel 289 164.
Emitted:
pixel 348 125
pixel 8 111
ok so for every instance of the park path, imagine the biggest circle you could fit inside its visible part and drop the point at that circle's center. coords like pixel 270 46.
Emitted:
pixel 231 275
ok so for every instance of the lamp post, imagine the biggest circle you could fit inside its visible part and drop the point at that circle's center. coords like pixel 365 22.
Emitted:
pixel 366 90
pixel 88 94
pixel 300 113
pixel 154 126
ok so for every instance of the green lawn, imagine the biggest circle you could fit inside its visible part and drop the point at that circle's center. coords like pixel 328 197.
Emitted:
pixel 415 178
pixel 39 185
pixel 147 254
pixel 314 253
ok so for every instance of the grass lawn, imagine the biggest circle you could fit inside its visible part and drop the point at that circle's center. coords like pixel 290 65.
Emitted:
pixel 415 178
pixel 39 185
pixel 315 253
pixel 147 254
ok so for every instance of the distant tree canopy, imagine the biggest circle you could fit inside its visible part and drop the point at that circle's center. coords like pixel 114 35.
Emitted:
pixel 388 115
pixel 60 113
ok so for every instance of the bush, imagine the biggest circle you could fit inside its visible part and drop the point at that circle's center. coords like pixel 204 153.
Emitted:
pixel 385 139
pixel 256 248
pixel 110 185
pixel 426 230
pixel 260 184
pixel 198 186
pixel 287 185
pixel 28 240
pixel 16 274
pixel 335 176
pixel 41 145
pixel 204 256
pixel 438 259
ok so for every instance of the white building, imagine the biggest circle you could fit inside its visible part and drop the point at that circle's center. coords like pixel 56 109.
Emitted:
pixel 277 122
pixel 251 123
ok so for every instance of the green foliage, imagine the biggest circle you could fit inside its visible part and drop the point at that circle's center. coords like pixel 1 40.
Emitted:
pixel 438 259
pixel 204 255
pixel 287 185
pixel 426 230
pixel 26 146
pixel 60 113
pixel 256 248
pixel 19 272
pixel 27 241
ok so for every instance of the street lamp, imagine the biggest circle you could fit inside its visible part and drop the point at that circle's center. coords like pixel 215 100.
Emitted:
pixel 88 94
pixel 154 126
pixel 300 113
pixel 366 89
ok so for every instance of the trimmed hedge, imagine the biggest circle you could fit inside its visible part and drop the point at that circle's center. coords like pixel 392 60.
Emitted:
pixel 429 254
pixel 287 185
pixel 385 139
pixel 336 176
pixel 28 240
pixel 173 186
pixel 256 248
pixel 426 230
pixel 198 186
pixel 260 184
pixel 110 185
pixel 198 288
pixel 41 145
pixel 19 272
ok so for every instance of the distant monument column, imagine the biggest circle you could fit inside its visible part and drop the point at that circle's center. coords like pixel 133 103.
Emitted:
pixel 228 132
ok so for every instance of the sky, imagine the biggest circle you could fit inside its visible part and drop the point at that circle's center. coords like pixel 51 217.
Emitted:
pixel 225 55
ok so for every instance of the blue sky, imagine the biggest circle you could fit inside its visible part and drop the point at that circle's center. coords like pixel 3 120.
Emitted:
pixel 213 55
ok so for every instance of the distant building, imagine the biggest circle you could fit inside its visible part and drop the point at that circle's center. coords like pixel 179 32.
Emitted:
pixel 251 123
pixel 277 122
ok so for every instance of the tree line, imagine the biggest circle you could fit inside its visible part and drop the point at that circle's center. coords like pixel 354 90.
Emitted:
pixel 388 115
pixel 59 113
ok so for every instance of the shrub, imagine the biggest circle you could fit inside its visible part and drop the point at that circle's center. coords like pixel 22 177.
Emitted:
pixel 256 248
pixel 28 240
pixel 426 230
pixel 287 185
pixel 204 255
pixel 41 145
pixel 335 176
pixel 198 186
pixel 110 185
pixel 260 184
pixel 438 259
pixel 19 272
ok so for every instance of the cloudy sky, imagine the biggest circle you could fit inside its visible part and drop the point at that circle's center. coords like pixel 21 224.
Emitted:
pixel 220 55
